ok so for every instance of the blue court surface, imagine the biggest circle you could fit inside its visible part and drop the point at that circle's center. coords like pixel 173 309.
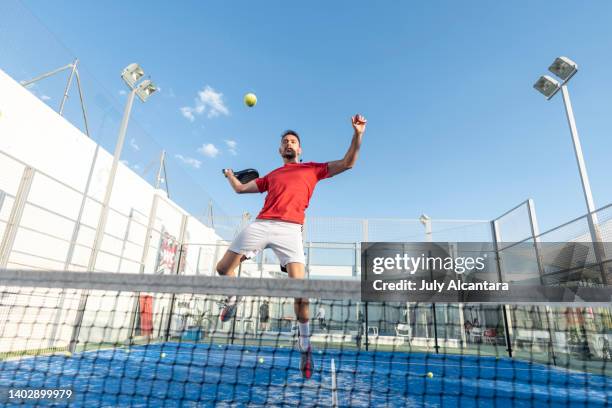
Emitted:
pixel 202 375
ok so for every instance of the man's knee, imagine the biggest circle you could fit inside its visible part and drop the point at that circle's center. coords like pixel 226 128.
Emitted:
pixel 229 262
pixel 302 301
pixel 222 268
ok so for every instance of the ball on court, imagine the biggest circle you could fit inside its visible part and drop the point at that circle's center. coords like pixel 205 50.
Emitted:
pixel 430 375
pixel 320 351
pixel 261 360
pixel 163 355
pixel 250 99
pixel 246 351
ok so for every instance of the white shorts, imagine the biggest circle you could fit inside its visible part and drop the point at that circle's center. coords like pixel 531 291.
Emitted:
pixel 284 238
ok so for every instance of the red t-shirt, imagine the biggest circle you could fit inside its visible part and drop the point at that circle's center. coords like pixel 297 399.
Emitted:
pixel 289 190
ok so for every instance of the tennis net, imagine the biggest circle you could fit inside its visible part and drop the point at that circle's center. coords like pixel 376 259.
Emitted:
pixel 156 340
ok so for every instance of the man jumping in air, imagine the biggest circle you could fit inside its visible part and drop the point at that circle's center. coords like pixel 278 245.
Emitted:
pixel 279 224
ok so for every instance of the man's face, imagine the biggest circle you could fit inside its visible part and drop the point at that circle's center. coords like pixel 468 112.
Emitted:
pixel 290 147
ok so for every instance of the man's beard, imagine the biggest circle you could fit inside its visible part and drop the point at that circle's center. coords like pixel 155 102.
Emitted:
pixel 289 154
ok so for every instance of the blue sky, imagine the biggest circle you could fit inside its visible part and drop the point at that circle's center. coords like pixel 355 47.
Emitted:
pixel 455 129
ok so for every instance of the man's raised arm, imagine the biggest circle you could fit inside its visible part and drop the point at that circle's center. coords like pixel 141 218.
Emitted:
pixel 250 187
pixel 338 166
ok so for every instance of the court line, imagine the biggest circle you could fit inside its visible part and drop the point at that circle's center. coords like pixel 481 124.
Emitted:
pixel 569 370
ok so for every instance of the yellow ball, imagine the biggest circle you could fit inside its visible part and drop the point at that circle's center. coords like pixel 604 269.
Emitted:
pixel 261 360
pixel 250 99
pixel 430 375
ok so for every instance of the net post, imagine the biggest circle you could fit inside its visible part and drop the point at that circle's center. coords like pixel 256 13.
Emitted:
pixel 334 387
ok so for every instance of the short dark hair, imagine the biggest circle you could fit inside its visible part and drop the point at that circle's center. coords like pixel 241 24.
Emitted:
pixel 291 132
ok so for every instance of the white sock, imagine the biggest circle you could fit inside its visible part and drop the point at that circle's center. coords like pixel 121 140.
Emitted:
pixel 304 335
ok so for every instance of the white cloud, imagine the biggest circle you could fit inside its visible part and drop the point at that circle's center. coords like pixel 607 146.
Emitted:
pixel 45 97
pixel 187 112
pixel 209 150
pixel 134 145
pixel 209 101
pixel 122 92
pixel 231 146
pixel 195 163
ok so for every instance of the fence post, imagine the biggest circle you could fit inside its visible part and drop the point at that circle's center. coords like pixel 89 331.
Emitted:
pixel 507 327
pixel 143 261
pixel 14 220
pixel 535 232
pixel 184 220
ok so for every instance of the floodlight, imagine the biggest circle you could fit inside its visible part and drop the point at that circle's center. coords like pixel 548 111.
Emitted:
pixel 547 86
pixel 145 89
pixel 131 74
pixel 564 68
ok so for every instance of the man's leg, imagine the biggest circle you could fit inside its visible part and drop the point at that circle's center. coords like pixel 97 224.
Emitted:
pixel 227 267
pixel 228 264
pixel 300 305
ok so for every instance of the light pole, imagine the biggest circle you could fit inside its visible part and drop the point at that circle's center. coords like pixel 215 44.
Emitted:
pixel 131 75
pixel 426 221
pixel 564 68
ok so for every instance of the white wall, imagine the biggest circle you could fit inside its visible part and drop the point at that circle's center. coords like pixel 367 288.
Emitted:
pixel 61 156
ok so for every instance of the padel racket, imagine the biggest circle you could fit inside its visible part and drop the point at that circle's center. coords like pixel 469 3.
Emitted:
pixel 244 176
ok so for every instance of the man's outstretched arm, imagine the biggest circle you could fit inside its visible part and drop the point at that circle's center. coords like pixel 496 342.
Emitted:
pixel 338 166
pixel 250 187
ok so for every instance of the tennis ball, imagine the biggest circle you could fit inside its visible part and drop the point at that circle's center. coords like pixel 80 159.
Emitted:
pixel 261 360
pixel 320 351
pixel 250 99
pixel 163 355
pixel 430 375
